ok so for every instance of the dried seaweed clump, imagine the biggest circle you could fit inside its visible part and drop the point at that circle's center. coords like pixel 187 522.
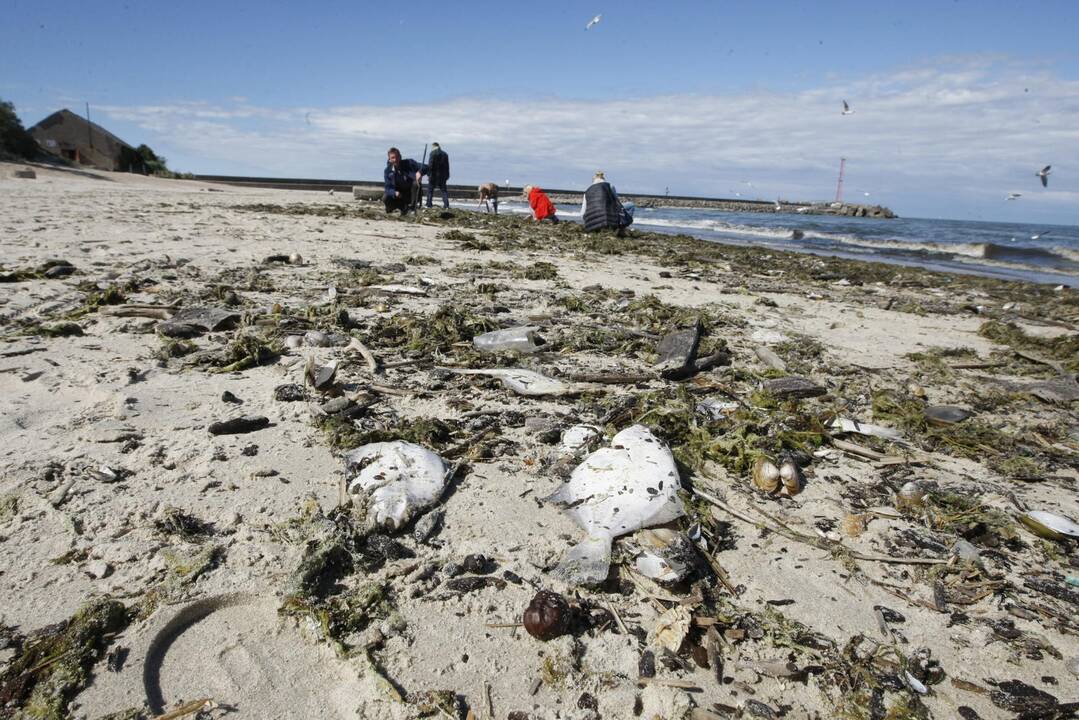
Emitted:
pixel 429 432
pixel 428 334
pixel 54 664
pixel 538 271
pixel 174 521
pixel 1064 348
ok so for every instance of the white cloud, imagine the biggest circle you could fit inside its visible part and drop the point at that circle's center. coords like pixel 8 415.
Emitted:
pixel 958 129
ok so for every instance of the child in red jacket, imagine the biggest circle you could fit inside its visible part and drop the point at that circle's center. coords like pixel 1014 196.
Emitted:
pixel 542 207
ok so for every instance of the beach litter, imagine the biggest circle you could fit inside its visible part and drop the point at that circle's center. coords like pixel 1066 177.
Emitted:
pixel 528 382
pixel 521 339
pixel 630 485
pixel 396 480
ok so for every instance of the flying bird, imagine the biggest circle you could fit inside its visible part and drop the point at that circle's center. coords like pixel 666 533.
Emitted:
pixel 1044 175
pixel 1014 196
pixel 1038 236
pixel 846 109
pixel 593 22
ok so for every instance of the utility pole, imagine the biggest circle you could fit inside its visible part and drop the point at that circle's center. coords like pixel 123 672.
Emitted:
pixel 89 128
pixel 839 185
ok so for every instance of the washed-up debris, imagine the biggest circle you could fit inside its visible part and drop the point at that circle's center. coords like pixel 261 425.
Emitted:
pixel 428 526
pixel 528 382
pixel 289 392
pixel 396 480
pixel 792 386
pixel 631 485
pixel 1019 697
pixel 791 476
pixel 945 414
pixel 523 339
pixel 317 338
pixel 849 425
pixel 229 397
pixel 320 377
pixel 769 358
pixel 394 289
pixel 665 555
pixel 677 353
pixel 1049 525
pixel 194 321
pixel 577 438
pixel 671 628
pixel 1063 389
pixel 240 425
pixel 105 474
pixel 716 409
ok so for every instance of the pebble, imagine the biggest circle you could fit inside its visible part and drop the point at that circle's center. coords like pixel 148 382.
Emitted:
pixel 97 569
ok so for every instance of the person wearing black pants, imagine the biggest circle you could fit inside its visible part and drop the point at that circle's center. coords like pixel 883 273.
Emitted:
pixel 399 177
pixel 439 165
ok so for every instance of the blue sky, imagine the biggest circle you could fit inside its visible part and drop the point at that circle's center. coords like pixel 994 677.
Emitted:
pixel 956 103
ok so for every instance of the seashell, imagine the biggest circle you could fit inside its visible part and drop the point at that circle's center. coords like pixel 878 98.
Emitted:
pixel 293 342
pixel 945 414
pixel 911 495
pixel 1049 525
pixel 320 376
pixel 917 391
pixel 792 477
pixel 295 259
pixel 766 475
pixel 317 338
pixel 547 616
pixel 853 525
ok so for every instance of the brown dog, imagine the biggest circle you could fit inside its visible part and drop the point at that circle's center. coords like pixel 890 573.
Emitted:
pixel 489 191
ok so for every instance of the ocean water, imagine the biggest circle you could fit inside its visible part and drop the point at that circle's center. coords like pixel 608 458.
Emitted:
pixel 1004 250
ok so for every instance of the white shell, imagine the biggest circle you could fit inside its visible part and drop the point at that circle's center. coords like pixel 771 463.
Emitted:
pixel 293 342
pixel 317 338
pixel 398 478
pixel 1054 523
pixel 616 490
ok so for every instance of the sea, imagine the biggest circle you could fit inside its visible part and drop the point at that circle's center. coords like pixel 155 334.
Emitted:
pixel 1018 251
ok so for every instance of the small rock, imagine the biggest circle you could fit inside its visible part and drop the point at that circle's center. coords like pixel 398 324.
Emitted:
pixel 966 551
pixel 335 406
pixel 237 426
pixel 677 351
pixel 478 564
pixel 946 414
pixel 230 398
pixel 59 271
pixel 97 569
pixel 289 392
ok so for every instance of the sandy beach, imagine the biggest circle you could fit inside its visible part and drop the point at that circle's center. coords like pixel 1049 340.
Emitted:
pixel 148 564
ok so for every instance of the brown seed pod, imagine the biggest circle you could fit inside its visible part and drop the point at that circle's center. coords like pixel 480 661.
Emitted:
pixel 766 475
pixel 792 477
pixel 547 616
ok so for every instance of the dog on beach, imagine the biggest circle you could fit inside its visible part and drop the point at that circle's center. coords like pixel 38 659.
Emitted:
pixel 489 192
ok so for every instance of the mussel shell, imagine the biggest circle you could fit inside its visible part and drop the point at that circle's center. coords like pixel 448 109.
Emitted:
pixel 1049 525
pixel 910 495
pixel 766 475
pixel 945 414
pixel 791 476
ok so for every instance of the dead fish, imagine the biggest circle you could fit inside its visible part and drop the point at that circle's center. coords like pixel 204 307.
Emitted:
pixel 766 475
pixel 630 485
pixel 397 479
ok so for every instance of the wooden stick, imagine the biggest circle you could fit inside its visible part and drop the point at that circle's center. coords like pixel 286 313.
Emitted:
pixel 856 449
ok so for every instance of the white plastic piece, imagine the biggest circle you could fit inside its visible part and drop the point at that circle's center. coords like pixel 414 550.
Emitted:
pixel 576 438
pixel 522 382
pixel 398 478
pixel 523 339
pixel 631 485
pixel 849 425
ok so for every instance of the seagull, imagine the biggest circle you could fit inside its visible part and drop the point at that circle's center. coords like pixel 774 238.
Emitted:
pixel 593 22
pixel 1014 196
pixel 846 109
pixel 1036 237
pixel 1044 175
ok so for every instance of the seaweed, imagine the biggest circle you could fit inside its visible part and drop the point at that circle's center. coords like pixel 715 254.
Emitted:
pixel 174 521
pixel 1064 348
pixel 430 432
pixel 539 271
pixel 54 664
pixel 428 334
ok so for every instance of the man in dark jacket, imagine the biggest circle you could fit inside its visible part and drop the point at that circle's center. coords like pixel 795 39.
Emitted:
pixel 399 177
pixel 602 210
pixel 440 173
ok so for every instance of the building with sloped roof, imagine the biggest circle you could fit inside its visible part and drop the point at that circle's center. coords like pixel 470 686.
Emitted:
pixel 71 136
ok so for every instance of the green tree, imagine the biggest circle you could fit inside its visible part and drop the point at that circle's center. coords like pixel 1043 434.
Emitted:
pixel 153 162
pixel 15 141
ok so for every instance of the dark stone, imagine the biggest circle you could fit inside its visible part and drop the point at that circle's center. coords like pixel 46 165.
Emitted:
pixel 351 263
pixel 230 398
pixel 646 666
pixel 1017 696
pixel 250 450
pixel 59 271
pixel 665 273
pixel 172 329
pixel 755 708
pixel 289 393
pixel 237 426
pixel 587 702
pixel 677 351
pixel 337 405
pixel 512 577
pixel 208 318
pixel 968 713
pixel 478 564
pixel 380 548
pixel 793 386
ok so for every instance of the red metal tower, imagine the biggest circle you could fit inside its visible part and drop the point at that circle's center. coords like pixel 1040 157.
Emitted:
pixel 839 185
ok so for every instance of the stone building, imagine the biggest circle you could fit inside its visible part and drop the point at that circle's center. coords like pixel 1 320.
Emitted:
pixel 70 136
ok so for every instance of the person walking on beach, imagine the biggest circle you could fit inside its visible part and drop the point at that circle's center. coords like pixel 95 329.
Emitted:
pixel 602 210
pixel 489 191
pixel 439 164
pixel 399 177
pixel 542 207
